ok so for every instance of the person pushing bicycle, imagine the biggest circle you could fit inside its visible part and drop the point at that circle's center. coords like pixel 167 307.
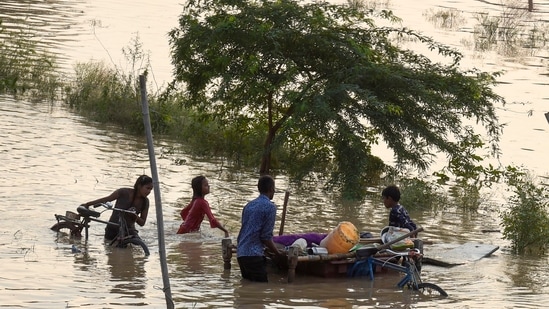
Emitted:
pixel 133 199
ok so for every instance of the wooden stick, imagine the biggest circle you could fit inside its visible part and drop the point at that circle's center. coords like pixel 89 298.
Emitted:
pixel 286 197
pixel 292 262
pixel 370 240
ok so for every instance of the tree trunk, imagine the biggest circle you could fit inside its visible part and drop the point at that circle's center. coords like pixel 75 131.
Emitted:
pixel 530 5
pixel 273 129
pixel 266 157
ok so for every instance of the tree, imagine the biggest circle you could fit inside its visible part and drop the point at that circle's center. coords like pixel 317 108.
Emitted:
pixel 325 84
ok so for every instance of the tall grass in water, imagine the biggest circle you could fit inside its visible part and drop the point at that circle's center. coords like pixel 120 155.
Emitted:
pixel 25 69
pixel 514 28
pixel 111 94
pixel 446 19
pixel 102 94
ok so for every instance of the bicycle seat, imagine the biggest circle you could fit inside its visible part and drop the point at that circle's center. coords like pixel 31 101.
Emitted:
pixel 85 212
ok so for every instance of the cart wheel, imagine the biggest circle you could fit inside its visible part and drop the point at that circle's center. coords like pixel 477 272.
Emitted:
pixel 430 289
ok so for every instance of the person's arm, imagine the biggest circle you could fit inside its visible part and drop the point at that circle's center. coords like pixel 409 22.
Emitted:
pixel 142 218
pixel 224 230
pixel 394 219
pixel 267 231
pixel 113 196
pixel 214 223
pixel 269 243
pixel 404 219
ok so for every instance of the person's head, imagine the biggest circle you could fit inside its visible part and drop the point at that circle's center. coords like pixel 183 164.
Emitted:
pixel 143 185
pixel 391 196
pixel 266 185
pixel 200 186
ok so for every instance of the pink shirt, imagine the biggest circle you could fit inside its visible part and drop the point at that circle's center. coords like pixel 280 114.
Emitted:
pixel 193 215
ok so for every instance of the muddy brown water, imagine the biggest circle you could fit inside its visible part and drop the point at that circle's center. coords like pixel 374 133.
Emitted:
pixel 54 160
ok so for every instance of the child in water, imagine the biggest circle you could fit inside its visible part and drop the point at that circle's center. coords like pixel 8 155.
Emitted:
pixel 398 216
pixel 194 212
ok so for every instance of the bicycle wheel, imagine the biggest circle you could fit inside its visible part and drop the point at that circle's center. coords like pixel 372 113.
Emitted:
pixel 136 241
pixel 67 227
pixel 430 289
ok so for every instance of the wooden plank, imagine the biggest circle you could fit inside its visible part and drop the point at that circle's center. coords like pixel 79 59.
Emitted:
pixel 468 252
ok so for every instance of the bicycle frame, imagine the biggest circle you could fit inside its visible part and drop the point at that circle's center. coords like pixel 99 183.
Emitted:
pixel 122 239
pixel 411 277
pixel 123 232
pixel 87 219
pixel 411 273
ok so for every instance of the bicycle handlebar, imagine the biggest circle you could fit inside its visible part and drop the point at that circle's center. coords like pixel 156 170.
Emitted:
pixel 106 205
pixel 109 205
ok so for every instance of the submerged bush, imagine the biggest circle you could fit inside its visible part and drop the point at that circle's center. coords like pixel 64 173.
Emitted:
pixel 466 196
pixel 447 19
pixel 112 95
pixel 510 31
pixel 526 221
pixel 101 93
pixel 25 69
pixel 421 194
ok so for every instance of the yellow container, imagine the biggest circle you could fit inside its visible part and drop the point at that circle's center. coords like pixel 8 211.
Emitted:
pixel 341 239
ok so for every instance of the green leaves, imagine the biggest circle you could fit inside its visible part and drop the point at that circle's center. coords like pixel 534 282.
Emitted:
pixel 321 74
pixel 526 221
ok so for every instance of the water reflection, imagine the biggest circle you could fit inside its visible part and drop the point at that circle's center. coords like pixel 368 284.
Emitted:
pixel 315 292
pixel 52 23
pixel 127 272
pixel 85 261
pixel 528 273
pixel 188 256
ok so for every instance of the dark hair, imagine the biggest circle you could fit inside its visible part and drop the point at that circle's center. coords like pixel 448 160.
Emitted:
pixel 196 184
pixel 141 181
pixel 265 183
pixel 393 192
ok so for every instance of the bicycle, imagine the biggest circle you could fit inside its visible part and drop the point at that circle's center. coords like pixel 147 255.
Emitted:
pixel 74 223
pixel 412 278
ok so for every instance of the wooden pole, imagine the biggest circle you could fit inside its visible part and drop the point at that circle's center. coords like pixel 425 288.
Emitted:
pixel 293 256
pixel 158 201
pixel 227 251
pixel 283 219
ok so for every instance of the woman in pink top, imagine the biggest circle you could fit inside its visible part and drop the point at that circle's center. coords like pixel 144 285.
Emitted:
pixel 193 214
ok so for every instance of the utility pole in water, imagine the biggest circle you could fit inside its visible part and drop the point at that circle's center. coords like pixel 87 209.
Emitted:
pixel 158 200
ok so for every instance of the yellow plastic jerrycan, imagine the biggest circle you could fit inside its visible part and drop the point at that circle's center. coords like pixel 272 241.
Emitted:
pixel 341 239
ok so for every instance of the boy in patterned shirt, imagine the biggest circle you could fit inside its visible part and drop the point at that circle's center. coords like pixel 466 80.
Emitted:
pixel 398 216
pixel 256 232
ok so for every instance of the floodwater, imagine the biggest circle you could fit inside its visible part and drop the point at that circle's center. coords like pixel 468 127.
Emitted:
pixel 54 160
